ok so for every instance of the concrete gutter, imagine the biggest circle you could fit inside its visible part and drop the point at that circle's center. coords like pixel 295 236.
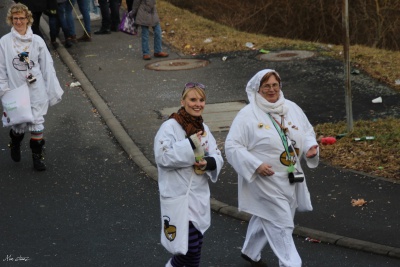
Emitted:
pixel 138 157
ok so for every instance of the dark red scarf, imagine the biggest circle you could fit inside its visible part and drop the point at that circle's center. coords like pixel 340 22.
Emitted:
pixel 189 123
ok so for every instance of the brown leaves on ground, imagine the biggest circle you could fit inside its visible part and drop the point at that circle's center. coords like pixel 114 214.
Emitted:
pixel 358 202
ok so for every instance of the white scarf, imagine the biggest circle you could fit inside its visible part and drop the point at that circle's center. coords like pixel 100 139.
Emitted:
pixel 278 107
pixel 22 43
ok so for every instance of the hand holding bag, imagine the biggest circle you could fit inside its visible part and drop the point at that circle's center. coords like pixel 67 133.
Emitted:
pixel 127 24
pixel 175 223
pixel 17 106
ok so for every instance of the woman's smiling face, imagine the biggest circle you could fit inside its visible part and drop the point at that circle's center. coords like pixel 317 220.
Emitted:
pixel 20 22
pixel 193 103
pixel 270 89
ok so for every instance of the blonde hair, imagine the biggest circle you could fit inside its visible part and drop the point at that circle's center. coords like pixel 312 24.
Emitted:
pixel 19 8
pixel 200 91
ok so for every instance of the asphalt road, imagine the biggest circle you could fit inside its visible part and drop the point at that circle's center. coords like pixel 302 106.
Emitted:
pixel 95 207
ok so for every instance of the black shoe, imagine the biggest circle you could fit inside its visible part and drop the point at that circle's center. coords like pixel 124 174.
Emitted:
pixel 37 147
pixel 68 43
pixel 38 163
pixel 259 263
pixel 15 146
pixel 54 44
pixel 103 31
pixel 114 28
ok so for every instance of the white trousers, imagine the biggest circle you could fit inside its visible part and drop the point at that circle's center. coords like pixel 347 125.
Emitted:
pixel 260 232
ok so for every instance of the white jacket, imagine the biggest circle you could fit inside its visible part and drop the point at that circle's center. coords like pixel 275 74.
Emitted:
pixel 253 140
pixel 175 158
pixel 46 90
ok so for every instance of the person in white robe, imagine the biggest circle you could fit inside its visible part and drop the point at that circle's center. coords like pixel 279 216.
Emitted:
pixel 264 145
pixel 187 155
pixel 26 61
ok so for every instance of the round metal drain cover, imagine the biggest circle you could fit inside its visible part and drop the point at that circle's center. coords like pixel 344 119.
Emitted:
pixel 286 55
pixel 177 64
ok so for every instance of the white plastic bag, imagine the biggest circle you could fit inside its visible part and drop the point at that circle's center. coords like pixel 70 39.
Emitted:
pixel 17 106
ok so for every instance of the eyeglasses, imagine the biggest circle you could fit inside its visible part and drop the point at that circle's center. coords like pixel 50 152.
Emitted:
pixel 20 19
pixel 270 86
pixel 193 85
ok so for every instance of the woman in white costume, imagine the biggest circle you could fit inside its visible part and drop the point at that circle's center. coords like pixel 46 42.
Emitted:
pixel 26 61
pixel 265 143
pixel 184 148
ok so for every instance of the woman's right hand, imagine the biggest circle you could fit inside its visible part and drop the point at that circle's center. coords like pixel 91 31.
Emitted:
pixel 265 170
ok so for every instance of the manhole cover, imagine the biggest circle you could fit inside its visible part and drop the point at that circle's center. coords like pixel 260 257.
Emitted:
pixel 218 116
pixel 177 64
pixel 286 55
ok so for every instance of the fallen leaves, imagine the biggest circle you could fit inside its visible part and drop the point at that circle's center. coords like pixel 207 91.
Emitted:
pixel 358 203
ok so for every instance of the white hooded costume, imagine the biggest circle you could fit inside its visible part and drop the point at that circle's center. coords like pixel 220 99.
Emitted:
pixel 253 140
pixel 45 91
pixel 175 158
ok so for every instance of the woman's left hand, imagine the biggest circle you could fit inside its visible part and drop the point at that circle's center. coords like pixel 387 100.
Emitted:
pixel 201 164
pixel 312 152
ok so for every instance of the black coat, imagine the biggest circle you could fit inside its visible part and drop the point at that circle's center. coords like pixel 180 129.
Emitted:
pixel 39 5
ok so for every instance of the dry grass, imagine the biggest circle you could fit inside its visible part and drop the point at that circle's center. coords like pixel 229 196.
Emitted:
pixel 187 32
pixel 379 157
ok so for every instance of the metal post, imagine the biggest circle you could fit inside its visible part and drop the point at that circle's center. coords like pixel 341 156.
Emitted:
pixel 346 46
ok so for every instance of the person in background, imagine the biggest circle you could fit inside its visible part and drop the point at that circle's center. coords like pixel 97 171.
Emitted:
pixel 26 61
pixel 94 10
pixel 51 12
pixel 265 144
pixel 129 4
pixel 84 9
pixel 109 16
pixel 178 141
pixel 144 12
pixel 62 6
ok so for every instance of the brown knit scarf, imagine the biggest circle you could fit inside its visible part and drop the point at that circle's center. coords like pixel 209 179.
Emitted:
pixel 189 123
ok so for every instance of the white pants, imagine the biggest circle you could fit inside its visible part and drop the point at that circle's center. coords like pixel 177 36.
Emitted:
pixel 260 232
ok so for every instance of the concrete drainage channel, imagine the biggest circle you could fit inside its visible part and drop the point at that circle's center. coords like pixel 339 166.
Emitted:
pixel 177 64
pixel 286 55
pixel 217 116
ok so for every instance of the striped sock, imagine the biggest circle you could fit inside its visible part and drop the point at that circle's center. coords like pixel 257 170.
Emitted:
pixel 37 136
pixel 192 257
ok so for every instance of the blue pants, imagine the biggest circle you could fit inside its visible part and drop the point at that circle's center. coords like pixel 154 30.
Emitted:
pixel 62 18
pixel 157 39
pixel 84 9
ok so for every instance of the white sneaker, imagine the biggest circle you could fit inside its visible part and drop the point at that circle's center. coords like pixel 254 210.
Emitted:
pixel 94 16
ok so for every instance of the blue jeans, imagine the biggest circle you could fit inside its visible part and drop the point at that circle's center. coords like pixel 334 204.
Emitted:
pixel 62 19
pixel 53 25
pixel 145 39
pixel 84 9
